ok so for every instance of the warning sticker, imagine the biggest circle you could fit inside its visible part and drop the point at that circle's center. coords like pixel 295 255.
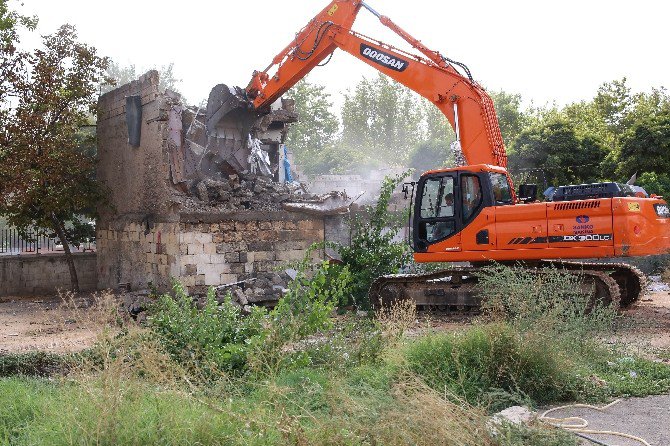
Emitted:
pixel 634 207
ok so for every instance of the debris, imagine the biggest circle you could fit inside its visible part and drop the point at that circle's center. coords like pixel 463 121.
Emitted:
pixel 516 415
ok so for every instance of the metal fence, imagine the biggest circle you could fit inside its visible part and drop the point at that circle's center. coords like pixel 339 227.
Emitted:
pixel 12 243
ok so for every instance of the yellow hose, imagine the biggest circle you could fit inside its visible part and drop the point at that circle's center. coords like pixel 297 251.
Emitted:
pixel 577 424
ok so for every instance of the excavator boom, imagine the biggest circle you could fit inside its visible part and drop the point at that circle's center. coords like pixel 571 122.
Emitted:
pixel 466 105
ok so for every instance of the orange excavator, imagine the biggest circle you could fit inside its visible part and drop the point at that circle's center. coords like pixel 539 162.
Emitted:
pixel 472 213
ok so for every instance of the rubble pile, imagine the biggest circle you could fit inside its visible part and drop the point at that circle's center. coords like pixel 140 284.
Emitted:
pixel 246 191
pixel 264 289
pixel 260 193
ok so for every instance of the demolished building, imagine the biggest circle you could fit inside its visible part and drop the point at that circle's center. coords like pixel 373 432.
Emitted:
pixel 185 202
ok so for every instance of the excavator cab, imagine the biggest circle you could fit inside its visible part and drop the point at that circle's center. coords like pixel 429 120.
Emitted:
pixel 449 200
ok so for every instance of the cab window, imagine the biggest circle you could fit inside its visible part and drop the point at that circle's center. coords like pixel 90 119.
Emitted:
pixel 502 193
pixel 437 206
pixel 471 195
pixel 438 198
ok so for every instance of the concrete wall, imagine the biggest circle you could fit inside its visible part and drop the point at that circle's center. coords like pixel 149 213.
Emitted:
pixel 44 273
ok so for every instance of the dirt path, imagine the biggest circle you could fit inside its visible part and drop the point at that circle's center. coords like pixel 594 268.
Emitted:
pixel 45 323
pixel 650 327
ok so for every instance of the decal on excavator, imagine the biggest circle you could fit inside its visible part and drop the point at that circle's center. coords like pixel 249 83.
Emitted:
pixel 383 58
pixel 527 240
pixel 580 238
pixel 662 210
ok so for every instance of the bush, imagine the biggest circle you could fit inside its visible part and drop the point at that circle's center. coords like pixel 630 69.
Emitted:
pixel 373 251
pixel 311 299
pixel 551 302
pixel 212 338
pixel 35 364
pixel 493 366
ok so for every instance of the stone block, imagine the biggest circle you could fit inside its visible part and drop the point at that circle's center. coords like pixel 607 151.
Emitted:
pixel 209 248
pixel 195 248
pixel 200 280
pixel 268 236
pixel 227 278
pixel 232 236
pixel 232 257
pixel 246 226
pixel 186 260
pixel 237 268
pixel 261 246
pixel 291 255
pixel 187 237
pixel 265 255
pixel 187 281
pixel 202 259
pixel 203 237
pixel 227 226
pixel 213 269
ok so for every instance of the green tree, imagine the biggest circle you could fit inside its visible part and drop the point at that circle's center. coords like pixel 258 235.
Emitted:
pixel 655 183
pixel 315 132
pixel 382 119
pixel 511 118
pixel 430 155
pixel 554 148
pixel 47 179
pixel 646 146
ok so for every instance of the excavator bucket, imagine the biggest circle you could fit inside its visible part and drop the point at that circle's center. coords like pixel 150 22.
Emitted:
pixel 229 113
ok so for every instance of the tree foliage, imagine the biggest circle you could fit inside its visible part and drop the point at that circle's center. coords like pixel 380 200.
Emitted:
pixel 381 119
pixel 646 146
pixel 47 178
pixel 311 137
pixel 122 75
pixel 555 147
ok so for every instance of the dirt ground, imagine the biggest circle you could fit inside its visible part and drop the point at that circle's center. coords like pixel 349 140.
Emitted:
pixel 56 324
pixel 59 323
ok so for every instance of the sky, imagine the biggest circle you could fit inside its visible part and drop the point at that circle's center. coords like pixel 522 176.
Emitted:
pixel 547 51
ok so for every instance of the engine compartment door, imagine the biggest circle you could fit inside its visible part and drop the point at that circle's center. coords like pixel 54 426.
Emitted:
pixel 580 223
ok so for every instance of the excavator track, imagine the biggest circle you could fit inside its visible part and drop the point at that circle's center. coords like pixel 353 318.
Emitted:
pixel 631 281
pixel 455 290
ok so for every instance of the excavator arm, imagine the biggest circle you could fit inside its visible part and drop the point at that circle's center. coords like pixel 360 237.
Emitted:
pixel 466 105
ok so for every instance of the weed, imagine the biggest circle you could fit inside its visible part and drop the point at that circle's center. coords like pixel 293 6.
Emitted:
pixel 216 337
pixel 551 302
pixel 34 364
pixel 494 366
pixel 374 250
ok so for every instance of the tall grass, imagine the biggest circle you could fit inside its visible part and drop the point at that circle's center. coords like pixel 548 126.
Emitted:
pixel 550 301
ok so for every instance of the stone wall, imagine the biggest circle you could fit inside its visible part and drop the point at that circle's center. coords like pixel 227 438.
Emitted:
pixel 209 249
pixel 44 273
pixel 137 253
pixel 254 247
